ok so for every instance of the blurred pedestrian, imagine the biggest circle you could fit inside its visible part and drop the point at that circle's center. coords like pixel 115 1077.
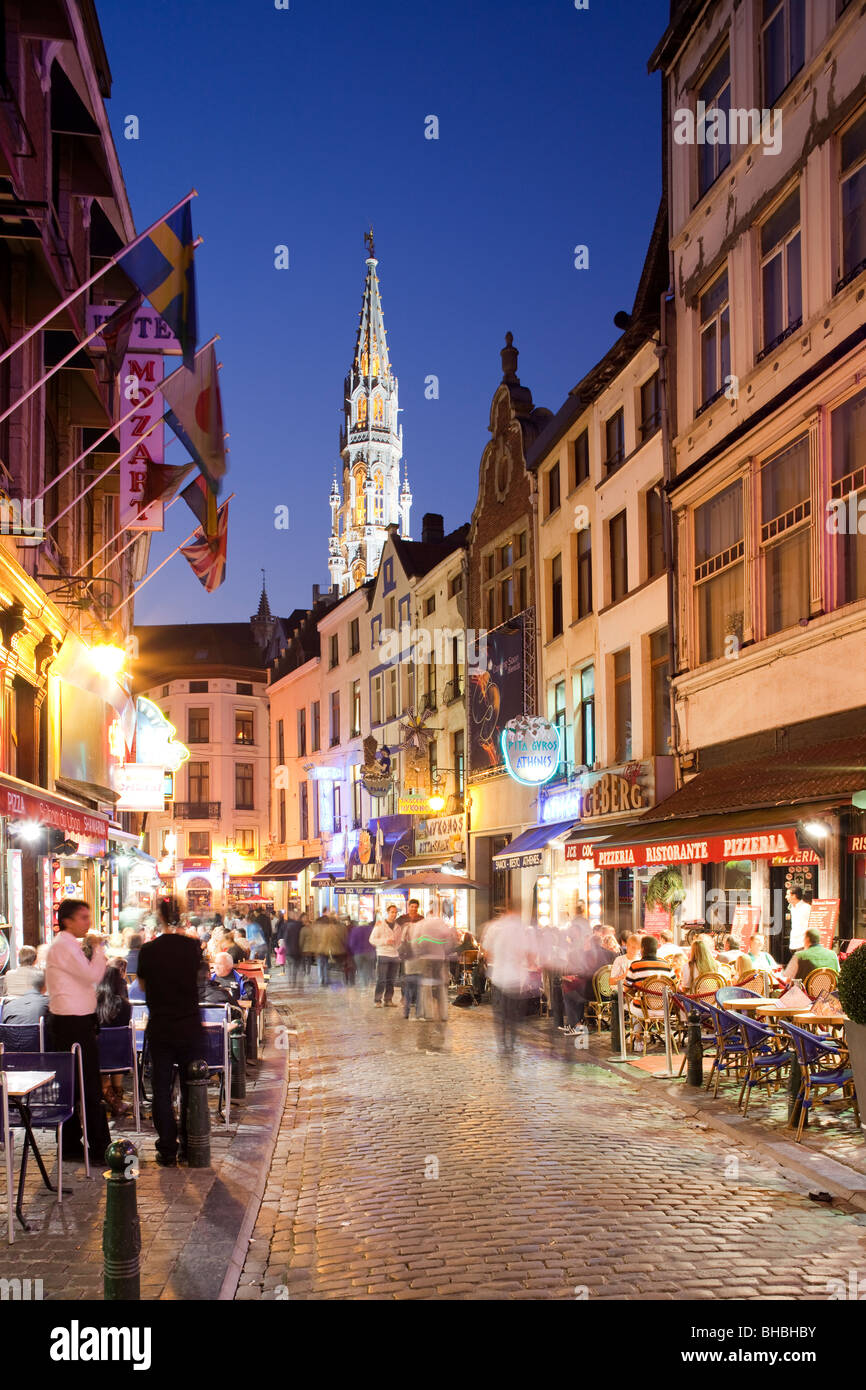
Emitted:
pixel 385 936
pixel 506 947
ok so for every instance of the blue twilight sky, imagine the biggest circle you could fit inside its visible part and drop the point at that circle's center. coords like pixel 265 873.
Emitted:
pixel 302 126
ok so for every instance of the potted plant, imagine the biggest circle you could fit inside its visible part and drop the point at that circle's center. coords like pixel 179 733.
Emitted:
pixel 852 992
pixel 665 889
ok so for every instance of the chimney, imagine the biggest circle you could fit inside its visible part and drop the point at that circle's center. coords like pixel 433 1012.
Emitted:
pixel 432 527
pixel 316 594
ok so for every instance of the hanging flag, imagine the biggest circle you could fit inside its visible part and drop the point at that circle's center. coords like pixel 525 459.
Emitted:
pixel 208 558
pixel 163 268
pixel 196 416
pixel 162 481
pixel 115 334
pixel 203 505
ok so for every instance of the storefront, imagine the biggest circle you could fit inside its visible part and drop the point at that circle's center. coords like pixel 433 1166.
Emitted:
pixel 286 883
pixel 440 847
pixel 532 857
pixel 382 849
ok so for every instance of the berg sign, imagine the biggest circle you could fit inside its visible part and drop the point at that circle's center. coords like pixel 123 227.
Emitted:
pixel 532 748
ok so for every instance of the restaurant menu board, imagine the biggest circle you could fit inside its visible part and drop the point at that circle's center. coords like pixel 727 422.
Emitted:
pixel 824 914
pixel 746 921
pixel 656 920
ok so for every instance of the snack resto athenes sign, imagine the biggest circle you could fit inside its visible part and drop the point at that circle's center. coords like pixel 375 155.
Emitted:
pixel 713 850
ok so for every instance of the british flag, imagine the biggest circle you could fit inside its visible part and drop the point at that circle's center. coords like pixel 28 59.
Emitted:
pixel 208 558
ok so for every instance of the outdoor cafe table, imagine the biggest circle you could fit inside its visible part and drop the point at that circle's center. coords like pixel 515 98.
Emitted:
pixel 20 1085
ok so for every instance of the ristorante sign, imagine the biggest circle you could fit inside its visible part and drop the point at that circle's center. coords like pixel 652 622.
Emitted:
pixel 716 849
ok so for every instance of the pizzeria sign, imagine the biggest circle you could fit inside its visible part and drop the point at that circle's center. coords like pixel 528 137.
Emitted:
pixel 717 849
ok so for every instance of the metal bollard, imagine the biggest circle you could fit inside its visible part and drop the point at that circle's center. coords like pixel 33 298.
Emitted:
pixel 121 1232
pixel 619 1010
pixel 668 1072
pixel 197 1116
pixel 238 1044
pixel 615 1039
pixel 695 1051
pixel 795 1080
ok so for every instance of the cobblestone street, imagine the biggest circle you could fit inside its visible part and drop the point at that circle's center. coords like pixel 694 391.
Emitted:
pixel 413 1163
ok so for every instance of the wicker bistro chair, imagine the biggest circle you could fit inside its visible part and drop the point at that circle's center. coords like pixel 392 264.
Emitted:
pixel 756 983
pixel 649 1007
pixel 819 980
pixel 822 1065
pixel 706 985
pixel 601 1003
pixel 765 1053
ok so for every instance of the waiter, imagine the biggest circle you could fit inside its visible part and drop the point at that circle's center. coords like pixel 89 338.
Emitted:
pixel 169 970
pixel 71 980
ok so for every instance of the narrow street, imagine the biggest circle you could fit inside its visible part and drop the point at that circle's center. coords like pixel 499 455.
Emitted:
pixel 415 1166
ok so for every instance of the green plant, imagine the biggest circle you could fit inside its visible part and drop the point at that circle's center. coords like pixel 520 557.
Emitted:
pixel 665 889
pixel 852 985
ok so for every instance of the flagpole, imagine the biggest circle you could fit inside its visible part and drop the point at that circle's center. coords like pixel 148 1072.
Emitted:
pixel 68 358
pixel 136 536
pixel 139 405
pixel 148 577
pixel 93 279
pixel 104 474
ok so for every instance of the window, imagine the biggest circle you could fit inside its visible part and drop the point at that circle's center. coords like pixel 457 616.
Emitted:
pixel 783 45
pixel 504 588
pixel 315 727
pixel 302 733
pixel 781 280
pixel 650 407
pixel 715 339
pixel 244 726
pixel 853 191
pixel 431 683
pixel 556 596
pixel 245 840
pixel 622 705
pixel 720 572
pixel 199 844
pixel 356 796
pixel 584 704
pixel 455 584
pixel 715 93
pixel 199 782
pixel 335 718
pixel 356 710
pixel 553 489
pixel 391 612
pixel 391 692
pixel 848 481
pixel 164 691
pixel 244 787
pixel 198 687
pixel 618 554
pixel 376 700
pixel 429 605
pixel 580 459
pixel 557 712
pixel 433 760
pixel 336 809
pixel 354 637
pixel 281 813
pixel 198 725
pixel 506 598
pixel 244 688
pixel 334 651
pixel 458 755
pixel 281 743
pixel 614 436
pixel 660 678
pixel 583 587
pixel 786 510
pixel 304 810
pixel 655 533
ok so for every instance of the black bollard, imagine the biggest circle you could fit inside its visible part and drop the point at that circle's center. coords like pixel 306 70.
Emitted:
pixel 615 1040
pixel 197 1116
pixel 239 1065
pixel 795 1080
pixel 695 1051
pixel 121 1232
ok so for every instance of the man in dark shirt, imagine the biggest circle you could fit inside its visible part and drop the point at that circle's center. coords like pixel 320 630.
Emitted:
pixel 168 969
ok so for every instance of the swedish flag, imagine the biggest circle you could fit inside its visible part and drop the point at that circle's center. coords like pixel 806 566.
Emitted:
pixel 162 267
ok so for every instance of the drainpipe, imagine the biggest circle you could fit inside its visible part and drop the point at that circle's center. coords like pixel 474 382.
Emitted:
pixel 670 539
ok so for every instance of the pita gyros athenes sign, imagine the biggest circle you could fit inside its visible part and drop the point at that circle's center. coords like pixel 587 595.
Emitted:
pixel 532 749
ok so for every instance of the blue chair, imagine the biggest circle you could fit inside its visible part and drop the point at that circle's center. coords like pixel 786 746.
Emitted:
pixel 216 1050
pixel 764 1054
pixel 135 992
pixel 820 1066
pixel 140 1015
pixel 686 1004
pixel 54 1103
pixel 22 1037
pixel 729 992
pixel 730 1048
pixel 7 1139
pixel 118 1053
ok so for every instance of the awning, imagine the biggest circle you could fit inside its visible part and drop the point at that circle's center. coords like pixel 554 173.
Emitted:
pixel 582 843
pixel 318 880
pixel 22 801
pixel 700 840
pixel 525 852
pixel 278 870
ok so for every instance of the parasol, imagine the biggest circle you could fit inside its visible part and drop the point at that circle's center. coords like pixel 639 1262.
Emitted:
pixel 433 879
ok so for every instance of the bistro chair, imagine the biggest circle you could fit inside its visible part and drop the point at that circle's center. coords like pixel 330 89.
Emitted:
pixel 23 1037
pixel 216 1053
pixel 649 1006
pixel 729 992
pixel 135 992
pixel 756 983
pixel 765 1053
pixel 817 981
pixel 599 1006
pixel 822 1065
pixel 730 1048
pixel 7 1139
pixel 706 985
pixel 118 1053
pixel 54 1103
pixel 684 1004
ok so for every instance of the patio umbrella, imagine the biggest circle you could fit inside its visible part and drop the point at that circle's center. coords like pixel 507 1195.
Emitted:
pixel 433 879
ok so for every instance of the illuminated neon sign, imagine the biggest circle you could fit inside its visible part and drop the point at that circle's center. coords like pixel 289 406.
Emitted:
pixel 532 750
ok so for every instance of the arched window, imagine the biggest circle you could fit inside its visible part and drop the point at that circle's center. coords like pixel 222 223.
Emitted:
pixel 364 361
pixel 360 504
pixel 375 364
pixel 378 410
pixel 362 410
pixel 378 496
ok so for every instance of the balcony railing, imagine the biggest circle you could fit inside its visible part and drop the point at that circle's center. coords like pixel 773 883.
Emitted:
pixel 453 690
pixel 197 810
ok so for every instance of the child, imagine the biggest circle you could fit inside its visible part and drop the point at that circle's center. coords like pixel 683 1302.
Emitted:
pixel 281 956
